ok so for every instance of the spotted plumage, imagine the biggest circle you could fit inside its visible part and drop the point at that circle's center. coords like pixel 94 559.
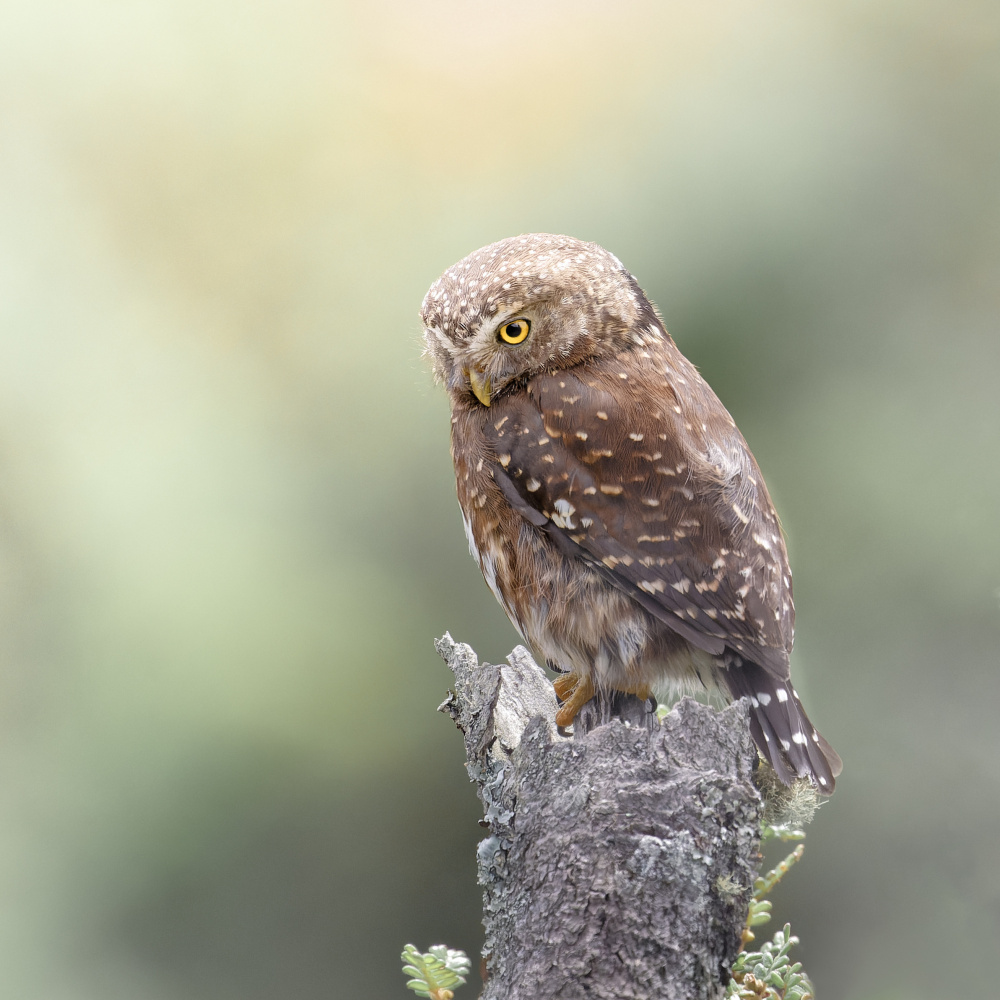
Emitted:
pixel 613 506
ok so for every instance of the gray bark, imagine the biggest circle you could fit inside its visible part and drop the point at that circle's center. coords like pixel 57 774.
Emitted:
pixel 620 860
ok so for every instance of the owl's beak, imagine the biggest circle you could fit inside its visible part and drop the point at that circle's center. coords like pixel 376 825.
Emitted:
pixel 480 384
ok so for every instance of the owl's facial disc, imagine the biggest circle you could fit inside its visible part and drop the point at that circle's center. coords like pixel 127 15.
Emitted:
pixel 496 365
pixel 500 351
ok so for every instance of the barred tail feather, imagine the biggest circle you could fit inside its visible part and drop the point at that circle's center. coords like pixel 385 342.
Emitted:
pixel 780 727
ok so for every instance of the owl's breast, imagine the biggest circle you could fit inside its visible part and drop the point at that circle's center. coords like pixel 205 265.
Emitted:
pixel 529 576
pixel 492 528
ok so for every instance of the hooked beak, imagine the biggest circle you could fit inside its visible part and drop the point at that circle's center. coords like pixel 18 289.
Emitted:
pixel 480 384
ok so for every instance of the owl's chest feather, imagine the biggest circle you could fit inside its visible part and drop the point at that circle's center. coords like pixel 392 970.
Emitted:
pixel 494 531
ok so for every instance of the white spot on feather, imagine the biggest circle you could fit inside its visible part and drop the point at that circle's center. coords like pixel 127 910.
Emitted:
pixel 564 517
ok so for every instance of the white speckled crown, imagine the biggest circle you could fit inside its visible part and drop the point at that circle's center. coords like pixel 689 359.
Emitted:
pixel 515 270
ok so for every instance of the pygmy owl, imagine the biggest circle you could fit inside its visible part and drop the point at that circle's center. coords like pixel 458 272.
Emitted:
pixel 613 506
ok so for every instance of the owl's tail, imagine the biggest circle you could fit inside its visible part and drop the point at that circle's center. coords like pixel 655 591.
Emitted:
pixel 780 727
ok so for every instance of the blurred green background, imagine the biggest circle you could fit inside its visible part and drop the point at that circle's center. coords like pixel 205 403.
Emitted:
pixel 228 532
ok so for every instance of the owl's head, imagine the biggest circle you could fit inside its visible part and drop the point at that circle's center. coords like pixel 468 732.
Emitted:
pixel 525 305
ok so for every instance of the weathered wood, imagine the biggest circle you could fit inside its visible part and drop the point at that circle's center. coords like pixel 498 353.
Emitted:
pixel 620 860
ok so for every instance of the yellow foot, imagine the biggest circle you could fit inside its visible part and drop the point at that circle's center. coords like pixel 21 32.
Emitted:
pixel 564 685
pixel 574 692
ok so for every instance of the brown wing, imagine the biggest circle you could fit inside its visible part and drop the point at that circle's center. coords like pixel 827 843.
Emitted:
pixel 634 466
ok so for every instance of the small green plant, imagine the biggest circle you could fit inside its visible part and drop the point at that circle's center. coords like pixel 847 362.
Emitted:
pixel 760 908
pixel 435 973
pixel 769 974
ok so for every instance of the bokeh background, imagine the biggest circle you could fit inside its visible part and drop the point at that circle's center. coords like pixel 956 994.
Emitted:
pixel 228 533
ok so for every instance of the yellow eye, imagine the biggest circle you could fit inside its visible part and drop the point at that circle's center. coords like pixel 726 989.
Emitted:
pixel 515 332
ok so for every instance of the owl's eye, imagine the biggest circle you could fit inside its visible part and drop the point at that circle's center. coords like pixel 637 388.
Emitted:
pixel 515 332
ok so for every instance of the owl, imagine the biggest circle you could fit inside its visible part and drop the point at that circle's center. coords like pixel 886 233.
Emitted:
pixel 612 504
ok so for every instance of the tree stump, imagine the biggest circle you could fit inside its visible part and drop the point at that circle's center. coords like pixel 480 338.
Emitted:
pixel 620 860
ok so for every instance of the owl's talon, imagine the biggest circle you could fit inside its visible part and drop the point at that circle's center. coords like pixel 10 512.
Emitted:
pixel 574 692
pixel 564 685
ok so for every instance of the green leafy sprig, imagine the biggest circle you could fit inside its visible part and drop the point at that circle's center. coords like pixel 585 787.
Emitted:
pixel 435 973
pixel 769 974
